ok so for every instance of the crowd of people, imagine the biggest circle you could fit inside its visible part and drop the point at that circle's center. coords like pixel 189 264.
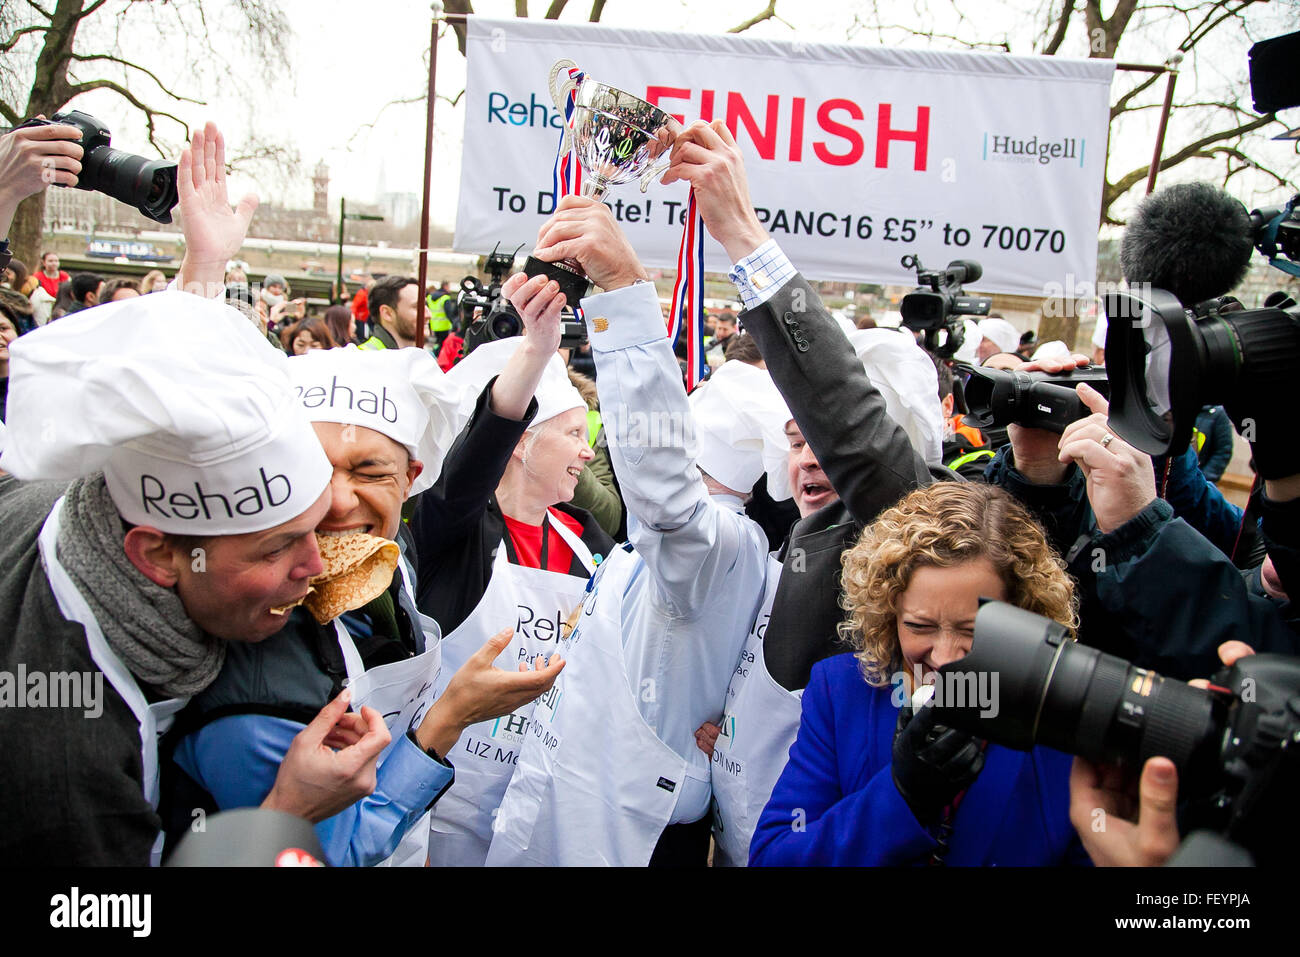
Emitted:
pixel 620 624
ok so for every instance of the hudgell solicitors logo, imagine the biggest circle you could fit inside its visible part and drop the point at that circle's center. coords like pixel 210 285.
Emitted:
pixel 1007 148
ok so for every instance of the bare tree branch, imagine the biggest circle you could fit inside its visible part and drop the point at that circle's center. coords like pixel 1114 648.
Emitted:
pixel 597 8
pixel 1122 104
pixel 8 112
pixel 135 66
pixel 41 10
pixel 88 11
pixel 521 8
pixel 1112 191
pixel 1197 33
pixel 17 35
pixel 1230 153
pixel 1062 25
pixel 767 14
pixel 150 113
pixel 555 9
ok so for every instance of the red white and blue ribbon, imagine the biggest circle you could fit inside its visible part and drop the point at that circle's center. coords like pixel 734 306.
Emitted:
pixel 688 295
pixel 566 178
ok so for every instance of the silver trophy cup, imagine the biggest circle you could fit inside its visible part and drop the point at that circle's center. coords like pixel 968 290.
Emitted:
pixel 618 138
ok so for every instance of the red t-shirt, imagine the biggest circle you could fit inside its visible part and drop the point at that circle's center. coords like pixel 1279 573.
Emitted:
pixel 361 305
pixel 527 542
pixel 51 285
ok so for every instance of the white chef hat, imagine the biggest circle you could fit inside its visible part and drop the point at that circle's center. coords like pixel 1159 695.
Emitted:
pixel 555 393
pixel 969 351
pixel 1055 349
pixel 180 401
pixel 740 422
pixel 1004 335
pixel 905 375
pixel 400 393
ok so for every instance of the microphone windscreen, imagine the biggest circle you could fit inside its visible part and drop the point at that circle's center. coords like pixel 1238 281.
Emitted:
pixel 1192 239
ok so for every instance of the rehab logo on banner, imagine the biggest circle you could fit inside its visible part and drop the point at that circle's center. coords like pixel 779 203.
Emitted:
pixel 856 156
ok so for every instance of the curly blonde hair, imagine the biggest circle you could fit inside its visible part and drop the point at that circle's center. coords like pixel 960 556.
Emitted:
pixel 945 524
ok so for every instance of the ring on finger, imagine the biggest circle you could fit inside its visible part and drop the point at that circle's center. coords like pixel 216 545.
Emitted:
pixel 1107 439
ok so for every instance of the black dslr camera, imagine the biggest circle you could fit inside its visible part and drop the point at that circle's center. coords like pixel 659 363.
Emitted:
pixel 994 398
pixel 148 185
pixel 488 316
pixel 1236 744
pixel 939 302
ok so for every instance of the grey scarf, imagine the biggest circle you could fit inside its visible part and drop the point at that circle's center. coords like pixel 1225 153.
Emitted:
pixel 144 623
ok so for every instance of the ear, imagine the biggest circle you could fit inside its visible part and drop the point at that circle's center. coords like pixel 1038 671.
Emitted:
pixel 521 446
pixel 412 473
pixel 947 403
pixel 149 551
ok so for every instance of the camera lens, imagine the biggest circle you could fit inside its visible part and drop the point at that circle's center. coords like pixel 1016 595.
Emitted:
pixel 1166 362
pixel 1049 690
pixel 504 322
pixel 148 185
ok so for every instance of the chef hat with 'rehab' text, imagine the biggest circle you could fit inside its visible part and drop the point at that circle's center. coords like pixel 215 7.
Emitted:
pixel 740 422
pixel 555 393
pixel 180 401
pixel 400 393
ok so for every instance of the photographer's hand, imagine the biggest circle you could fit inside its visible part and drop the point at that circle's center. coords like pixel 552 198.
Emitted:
pixel 1112 830
pixel 33 158
pixel 1036 450
pixel 213 231
pixel 1121 480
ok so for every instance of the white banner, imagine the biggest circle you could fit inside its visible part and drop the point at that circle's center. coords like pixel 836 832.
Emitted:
pixel 856 156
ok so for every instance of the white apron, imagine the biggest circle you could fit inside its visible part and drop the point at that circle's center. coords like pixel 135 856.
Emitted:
pixel 154 719
pixel 536 604
pixel 402 692
pixel 594 785
pixel 759 724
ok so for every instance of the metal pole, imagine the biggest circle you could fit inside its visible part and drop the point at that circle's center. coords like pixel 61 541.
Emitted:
pixel 339 280
pixel 1171 65
pixel 428 175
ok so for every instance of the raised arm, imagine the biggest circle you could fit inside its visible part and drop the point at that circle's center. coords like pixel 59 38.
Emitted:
pixel 683 539
pixel 214 232
pixel 865 454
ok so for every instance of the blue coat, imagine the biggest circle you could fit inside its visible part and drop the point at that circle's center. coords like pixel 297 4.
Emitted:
pixel 836 803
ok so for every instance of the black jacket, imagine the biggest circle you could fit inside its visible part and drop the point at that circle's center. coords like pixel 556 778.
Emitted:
pixel 864 453
pixel 458 525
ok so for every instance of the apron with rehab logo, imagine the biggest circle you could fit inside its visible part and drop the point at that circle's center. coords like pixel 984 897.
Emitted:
pixel 402 692
pixel 595 785
pixel 759 724
pixel 536 604
pixel 154 719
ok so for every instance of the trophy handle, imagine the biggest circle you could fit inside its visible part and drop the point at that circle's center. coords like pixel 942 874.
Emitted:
pixel 652 174
pixel 560 72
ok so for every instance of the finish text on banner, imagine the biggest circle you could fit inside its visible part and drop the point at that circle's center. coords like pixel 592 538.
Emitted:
pixel 856 156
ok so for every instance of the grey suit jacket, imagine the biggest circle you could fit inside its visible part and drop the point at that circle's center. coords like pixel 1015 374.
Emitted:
pixel 864 453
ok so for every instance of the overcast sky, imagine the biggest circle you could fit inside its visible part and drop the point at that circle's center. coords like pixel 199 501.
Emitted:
pixel 347 59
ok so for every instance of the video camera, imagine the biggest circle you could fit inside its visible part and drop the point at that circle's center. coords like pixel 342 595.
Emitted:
pixel 994 398
pixel 1169 358
pixel 148 185
pixel 938 303
pixel 1234 744
pixel 487 316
